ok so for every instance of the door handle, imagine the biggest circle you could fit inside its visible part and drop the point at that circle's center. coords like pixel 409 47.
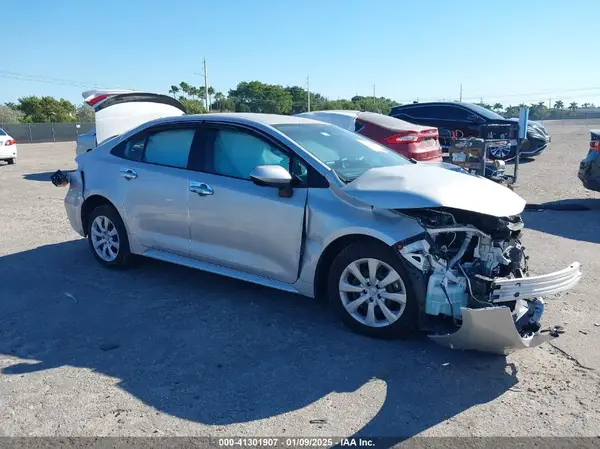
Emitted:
pixel 201 188
pixel 128 173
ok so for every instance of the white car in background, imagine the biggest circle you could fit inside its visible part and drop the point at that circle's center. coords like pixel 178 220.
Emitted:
pixel 8 148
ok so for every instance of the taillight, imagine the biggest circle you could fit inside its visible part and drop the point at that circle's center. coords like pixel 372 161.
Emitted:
pixel 431 133
pixel 10 142
pixel 595 145
pixel 405 137
pixel 97 99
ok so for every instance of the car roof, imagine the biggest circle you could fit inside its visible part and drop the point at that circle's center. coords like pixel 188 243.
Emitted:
pixel 435 103
pixel 266 119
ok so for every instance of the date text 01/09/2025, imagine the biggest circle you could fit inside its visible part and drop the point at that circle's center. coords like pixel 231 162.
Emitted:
pixel 295 442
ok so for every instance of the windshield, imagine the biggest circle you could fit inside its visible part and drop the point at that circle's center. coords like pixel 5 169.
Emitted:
pixel 347 153
pixel 484 112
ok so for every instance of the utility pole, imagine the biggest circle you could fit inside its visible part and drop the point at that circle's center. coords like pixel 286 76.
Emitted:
pixel 460 93
pixel 308 90
pixel 374 101
pixel 206 85
pixel 549 103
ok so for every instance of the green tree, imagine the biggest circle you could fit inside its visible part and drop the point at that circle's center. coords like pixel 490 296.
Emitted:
pixel 185 89
pixel 85 114
pixel 46 110
pixel 538 111
pixel 559 105
pixel 222 103
pixel 498 107
pixel 9 115
pixel 174 90
pixel 511 111
pixel 573 106
pixel 192 105
pixel 255 96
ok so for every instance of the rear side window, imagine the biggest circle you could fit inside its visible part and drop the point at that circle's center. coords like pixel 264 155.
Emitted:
pixel 2 133
pixel 170 148
pixel 134 149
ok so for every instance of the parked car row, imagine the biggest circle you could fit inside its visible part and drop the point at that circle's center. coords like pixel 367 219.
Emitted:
pixel 454 119
pixel 316 209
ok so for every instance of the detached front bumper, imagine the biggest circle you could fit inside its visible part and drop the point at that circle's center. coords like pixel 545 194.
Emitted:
pixel 496 329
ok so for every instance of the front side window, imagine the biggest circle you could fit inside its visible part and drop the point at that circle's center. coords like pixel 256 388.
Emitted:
pixel 236 153
pixel 170 148
pixel 347 153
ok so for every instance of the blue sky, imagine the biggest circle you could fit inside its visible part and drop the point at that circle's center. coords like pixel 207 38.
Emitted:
pixel 408 49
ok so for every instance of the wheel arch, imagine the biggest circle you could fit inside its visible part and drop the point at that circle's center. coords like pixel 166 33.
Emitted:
pixel 91 203
pixel 330 253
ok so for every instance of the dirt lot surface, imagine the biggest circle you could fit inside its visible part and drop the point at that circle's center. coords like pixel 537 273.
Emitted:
pixel 165 350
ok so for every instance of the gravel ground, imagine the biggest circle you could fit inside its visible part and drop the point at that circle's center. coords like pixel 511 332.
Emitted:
pixel 164 350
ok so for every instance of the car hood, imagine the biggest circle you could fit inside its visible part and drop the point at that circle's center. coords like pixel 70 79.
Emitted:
pixel 425 185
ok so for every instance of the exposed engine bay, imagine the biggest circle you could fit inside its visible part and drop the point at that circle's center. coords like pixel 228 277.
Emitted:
pixel 477 280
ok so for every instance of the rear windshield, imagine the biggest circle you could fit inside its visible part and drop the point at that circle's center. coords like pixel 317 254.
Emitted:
pixel 385 121
pixel 2 133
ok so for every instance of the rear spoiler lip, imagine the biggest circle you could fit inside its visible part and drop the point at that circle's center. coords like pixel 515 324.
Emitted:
pixel 132 97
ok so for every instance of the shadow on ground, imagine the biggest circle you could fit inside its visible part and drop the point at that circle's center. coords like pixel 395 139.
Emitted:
pixel 44 176
pixel 218 351
pixel 575 219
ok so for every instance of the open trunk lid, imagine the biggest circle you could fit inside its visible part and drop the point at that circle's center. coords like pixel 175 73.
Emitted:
pixel 118 111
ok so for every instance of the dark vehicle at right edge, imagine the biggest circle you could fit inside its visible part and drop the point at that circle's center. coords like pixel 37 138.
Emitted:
pixel 458 120
pixel 589 168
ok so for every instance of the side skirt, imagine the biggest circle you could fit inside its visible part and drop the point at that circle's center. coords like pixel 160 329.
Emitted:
pixel 217 269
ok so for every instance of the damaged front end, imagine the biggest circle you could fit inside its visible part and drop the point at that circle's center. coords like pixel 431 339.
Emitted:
pixel 476 290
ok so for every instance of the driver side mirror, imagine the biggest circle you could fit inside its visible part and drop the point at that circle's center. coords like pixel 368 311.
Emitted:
pixel 273 176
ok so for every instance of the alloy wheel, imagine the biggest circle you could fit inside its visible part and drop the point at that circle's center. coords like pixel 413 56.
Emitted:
pixel 372 292
pixel 105 238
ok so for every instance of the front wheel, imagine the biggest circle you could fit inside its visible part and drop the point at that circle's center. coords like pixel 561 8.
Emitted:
pixel 372 292
pixel 107 237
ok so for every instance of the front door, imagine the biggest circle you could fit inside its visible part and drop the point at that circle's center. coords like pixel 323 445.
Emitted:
pixel 236 223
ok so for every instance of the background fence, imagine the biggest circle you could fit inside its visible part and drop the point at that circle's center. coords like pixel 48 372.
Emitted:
pixel 45 132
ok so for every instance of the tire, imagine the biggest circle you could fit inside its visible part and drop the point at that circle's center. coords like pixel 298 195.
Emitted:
pixel 12 161
pixel 358 255
pixel 108 254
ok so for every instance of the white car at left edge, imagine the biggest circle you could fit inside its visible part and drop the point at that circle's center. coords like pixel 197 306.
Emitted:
pixel 8 148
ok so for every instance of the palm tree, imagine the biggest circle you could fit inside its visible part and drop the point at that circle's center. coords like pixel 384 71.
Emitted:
pixel 185 88
pixel 559 105
pixel 498 107
pixel 586 105
pixel 219 97
pixel 174 90
pixel 211 92
pixel 573 106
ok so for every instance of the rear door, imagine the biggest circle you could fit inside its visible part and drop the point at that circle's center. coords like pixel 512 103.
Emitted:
pixel 154 178
pixel 118 111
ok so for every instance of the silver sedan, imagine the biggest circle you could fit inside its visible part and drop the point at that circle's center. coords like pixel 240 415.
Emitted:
pixel 307 207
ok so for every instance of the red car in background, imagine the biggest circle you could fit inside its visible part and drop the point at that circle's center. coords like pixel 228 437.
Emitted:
pixel 420 143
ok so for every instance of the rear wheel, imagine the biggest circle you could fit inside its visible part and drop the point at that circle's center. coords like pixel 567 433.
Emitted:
pixel 372 292
pixel 107 237
pixel 12 161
